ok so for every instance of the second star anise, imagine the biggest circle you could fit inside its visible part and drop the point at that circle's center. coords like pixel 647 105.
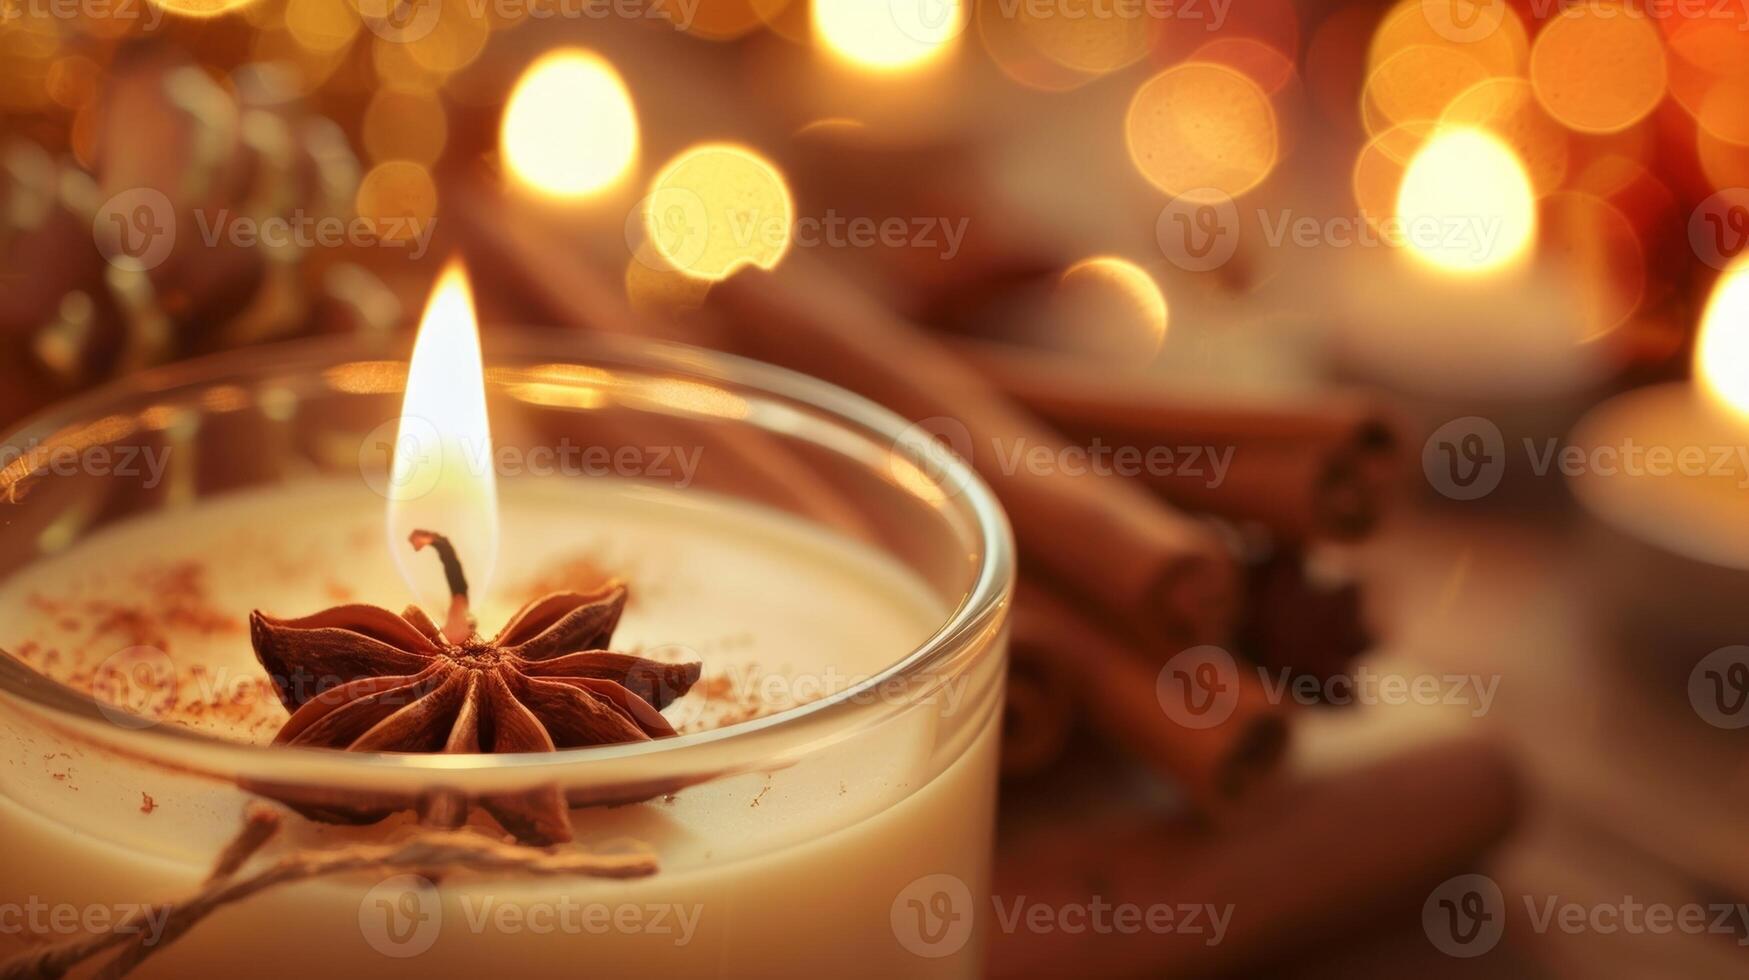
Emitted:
pixel 363 679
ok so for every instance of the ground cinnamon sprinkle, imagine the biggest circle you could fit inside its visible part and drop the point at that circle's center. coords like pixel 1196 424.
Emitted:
pixel 578 574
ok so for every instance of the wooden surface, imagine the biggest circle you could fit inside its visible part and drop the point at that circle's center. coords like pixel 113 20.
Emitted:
pixel 1631 793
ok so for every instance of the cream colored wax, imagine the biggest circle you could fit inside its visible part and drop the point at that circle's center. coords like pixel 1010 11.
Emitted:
pixel 811 868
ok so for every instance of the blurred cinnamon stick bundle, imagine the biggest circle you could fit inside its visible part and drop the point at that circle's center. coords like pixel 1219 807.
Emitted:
pixel 1215 734
pixel 1159 573
pixel 1325 469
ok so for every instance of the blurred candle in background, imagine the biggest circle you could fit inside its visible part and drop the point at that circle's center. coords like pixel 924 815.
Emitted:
pixel 1663 473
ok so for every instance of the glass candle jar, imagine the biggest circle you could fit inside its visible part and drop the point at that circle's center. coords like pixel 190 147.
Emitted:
pixel 828 803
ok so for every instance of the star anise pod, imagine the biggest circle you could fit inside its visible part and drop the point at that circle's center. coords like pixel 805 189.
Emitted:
pixel 363 679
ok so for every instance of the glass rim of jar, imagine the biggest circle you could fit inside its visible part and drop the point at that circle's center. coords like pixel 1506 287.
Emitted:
pixel 738 747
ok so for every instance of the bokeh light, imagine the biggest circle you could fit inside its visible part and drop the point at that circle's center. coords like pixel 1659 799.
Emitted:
pixel 717 208
pixel 1467 179
pixel 1263 64
pixel 1592 246
pixel 570 129
pixel 1509 109
pixel 322 25
pixel 1203 131
pixel 1378 171
pixel 1417 83
pixel 1086 35
pixel 398 198
pixel 199 8
pixel 1120 299
pixel 888 36
pixel 1599 68
pixel 1496 39
pixel 1721 356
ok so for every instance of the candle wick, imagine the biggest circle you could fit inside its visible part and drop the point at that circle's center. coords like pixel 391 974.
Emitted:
pixel 459 625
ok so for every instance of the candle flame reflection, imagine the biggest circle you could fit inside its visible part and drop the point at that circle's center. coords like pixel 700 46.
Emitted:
pixel 1721 357
pixel 442 478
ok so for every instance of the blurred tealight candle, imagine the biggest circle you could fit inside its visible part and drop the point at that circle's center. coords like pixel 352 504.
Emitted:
pixel 1458 311
pixel 1663 474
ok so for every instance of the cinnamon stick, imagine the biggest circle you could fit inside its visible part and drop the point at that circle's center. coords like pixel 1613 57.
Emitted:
pixel 1040 711
pixel 1158 573
pixel 1326 469
pixel 1118 689
pixel 1320 861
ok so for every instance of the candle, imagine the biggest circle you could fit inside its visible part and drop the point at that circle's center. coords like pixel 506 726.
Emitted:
pixel 832 782
pixel 1461 311
pixel 1663 474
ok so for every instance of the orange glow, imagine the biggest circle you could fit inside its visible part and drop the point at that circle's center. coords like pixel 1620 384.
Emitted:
pixel 1258 61
pixel 1086 35
pixel 570 129
pixel 1714 40
pixel 1378 172
pixel 1203 131
pixel 1495 38
pixel 888 36
pixel 442 476
pixel 1721 357
pixel 1592 245
pixel 1467 179
pixel 1724 110
pixel 399 198
pixel 1599 68
pixel 1418 83
pixel 1508 108
pixel 717 208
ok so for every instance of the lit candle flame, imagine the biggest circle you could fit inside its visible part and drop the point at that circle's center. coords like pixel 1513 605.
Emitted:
pixel 442 476
pixel 1466 204
pixel 569 129
pixel 1721 356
